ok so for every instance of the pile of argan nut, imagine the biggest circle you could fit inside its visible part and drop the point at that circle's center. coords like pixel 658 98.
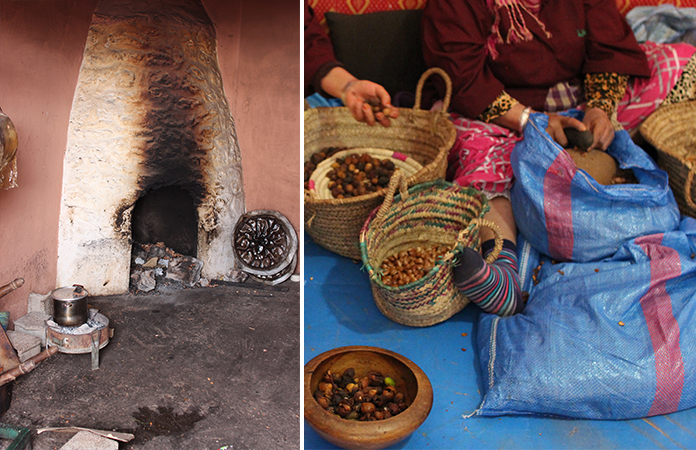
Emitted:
pixel 372 397
pixel 357 175
pixel 408 266
pixel 314 160
pixel 353 175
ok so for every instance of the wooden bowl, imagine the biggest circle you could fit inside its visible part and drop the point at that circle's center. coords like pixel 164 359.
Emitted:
pixel 409 378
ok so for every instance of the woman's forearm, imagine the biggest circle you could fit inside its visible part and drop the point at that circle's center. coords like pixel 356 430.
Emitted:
pixel 514 118
pixel 335 82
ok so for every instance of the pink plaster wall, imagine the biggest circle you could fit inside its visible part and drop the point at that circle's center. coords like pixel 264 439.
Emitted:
pixel 259 56
pixel 41 46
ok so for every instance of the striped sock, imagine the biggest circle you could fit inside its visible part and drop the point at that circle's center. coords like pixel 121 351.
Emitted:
pixel 493 287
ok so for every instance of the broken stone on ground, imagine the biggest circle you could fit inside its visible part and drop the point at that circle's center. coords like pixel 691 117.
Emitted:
pixel 155 266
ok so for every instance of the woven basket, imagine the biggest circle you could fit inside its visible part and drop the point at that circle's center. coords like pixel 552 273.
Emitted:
pixel 433 213
pixel 671 129
pixel 319 181
pixel 424 136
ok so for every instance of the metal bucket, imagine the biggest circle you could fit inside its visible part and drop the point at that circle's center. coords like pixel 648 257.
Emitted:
pixel 70 306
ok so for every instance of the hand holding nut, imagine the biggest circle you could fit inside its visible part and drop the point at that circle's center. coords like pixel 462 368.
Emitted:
pixel 382 111
pixel 359 95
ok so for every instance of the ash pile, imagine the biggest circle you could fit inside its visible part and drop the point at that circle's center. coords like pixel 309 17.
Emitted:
pixel 158 268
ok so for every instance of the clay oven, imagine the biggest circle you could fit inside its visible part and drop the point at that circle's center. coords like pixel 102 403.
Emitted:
pixel 149 115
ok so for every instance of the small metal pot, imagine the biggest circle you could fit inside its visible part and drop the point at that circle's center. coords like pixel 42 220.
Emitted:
pixel 70 306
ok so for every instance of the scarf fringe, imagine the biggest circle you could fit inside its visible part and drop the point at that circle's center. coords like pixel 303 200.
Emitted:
pixel 518 28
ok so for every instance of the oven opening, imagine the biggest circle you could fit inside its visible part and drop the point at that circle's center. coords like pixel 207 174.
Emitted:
pixel 164 230
pixel 166 215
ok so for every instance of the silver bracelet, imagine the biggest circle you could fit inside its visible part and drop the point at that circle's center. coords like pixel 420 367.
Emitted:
pixel 524 118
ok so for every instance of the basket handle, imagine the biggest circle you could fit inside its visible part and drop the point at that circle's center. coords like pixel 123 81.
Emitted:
pixel 465 237
pixel 398 179
pixel 687 189
pixel 421 82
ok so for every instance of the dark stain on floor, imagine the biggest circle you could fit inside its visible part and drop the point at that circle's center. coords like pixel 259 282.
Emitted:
pixel 163 422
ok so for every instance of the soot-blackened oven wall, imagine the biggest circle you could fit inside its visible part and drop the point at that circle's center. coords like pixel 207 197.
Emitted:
pixel 149 112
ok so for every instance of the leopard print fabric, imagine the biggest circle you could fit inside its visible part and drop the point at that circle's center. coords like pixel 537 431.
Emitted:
pixel 684 89
pixel 605 91
pixel 602 90
pixel 499 107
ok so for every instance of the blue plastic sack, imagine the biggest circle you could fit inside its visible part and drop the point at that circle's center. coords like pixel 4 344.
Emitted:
pixel 614 339
pixel 316 100
pixel 564 213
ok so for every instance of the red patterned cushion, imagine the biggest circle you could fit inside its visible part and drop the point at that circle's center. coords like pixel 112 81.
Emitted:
pixel 362 6
pixel 627 5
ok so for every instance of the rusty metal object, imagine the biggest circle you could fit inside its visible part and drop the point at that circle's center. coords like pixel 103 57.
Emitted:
pixel 27 366
pixel 87 338
pixel 8 152
pixel 9 287
pixel 265 242
pixel 8 356
pixel 277 278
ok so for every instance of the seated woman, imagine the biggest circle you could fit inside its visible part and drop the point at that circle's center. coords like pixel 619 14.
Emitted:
pixel 509 58
pixel 325 75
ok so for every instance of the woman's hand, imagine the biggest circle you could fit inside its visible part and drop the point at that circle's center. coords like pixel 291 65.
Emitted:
pixel 556 125
pixel 597 121
pixel 359 95
pixel 516 119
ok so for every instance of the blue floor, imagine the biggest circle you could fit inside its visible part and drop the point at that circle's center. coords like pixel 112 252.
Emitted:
pixel 339 311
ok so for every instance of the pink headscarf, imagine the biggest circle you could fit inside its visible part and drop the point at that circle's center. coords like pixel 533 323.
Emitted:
pixel 518 28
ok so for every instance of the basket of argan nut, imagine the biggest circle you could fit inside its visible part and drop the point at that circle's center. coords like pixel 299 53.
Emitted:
pixel 410 244
pixel 360 161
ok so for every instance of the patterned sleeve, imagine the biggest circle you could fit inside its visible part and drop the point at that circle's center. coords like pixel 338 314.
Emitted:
pixel 500 106
pixel 605 91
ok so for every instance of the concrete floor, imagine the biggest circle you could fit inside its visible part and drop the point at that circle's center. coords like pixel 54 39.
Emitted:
pixel 189 369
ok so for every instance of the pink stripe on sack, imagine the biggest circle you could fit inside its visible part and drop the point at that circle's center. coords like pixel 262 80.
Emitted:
pixel 558 207
pixel 662 326
pixel 399 156
pixel 311 185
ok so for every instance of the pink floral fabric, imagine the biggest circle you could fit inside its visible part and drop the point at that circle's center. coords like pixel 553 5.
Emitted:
pixel 480 157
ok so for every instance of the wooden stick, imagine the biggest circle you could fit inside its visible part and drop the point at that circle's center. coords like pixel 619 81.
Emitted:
pixel 6 289
pixel 27 366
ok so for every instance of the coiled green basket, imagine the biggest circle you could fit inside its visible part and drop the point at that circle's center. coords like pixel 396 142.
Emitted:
pixel 432 213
